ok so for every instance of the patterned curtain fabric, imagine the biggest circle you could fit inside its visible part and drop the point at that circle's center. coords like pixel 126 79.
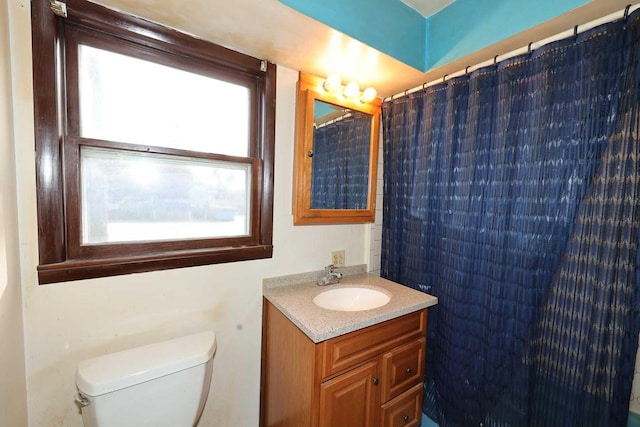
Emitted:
pixel 340 172
pixel 513 195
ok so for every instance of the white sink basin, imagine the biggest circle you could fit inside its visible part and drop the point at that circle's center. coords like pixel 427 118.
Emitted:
pixel 351 299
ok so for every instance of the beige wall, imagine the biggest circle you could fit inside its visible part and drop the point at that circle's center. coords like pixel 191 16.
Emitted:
pixel 13 394
pixel 68 322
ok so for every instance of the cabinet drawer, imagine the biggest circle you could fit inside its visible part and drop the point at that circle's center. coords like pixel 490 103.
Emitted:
pixel 402 367
pixel 404 410
pixel 348 350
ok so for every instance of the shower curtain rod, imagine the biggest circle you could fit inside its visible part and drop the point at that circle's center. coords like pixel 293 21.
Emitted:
pixel 525 49
pixel 329 122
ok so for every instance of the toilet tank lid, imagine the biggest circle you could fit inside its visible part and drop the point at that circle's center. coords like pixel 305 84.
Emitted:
pixel 126 368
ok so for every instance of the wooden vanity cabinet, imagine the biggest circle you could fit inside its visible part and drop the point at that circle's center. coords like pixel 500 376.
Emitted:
pixel 367 378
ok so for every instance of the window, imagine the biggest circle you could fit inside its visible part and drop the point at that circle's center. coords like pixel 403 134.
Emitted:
pixel 154 149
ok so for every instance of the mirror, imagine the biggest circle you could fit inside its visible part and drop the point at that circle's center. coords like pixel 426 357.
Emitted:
pixel 336 156
pixel 340 162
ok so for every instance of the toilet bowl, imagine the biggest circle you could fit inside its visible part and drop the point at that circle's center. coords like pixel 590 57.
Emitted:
pixel 160 385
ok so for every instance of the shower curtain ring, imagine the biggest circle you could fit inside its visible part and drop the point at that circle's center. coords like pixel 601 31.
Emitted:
pixel 466 70
pixel 626 12
pixel 495 59
pixel 444 78
pixel 575 31
pixel 529 47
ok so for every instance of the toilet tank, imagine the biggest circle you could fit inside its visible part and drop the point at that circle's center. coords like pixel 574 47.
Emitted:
pixel 160 385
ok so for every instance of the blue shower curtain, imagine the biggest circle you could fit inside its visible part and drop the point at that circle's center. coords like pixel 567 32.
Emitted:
pixel 513 195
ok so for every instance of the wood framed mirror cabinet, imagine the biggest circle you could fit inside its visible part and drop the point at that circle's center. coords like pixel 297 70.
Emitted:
pixel 336 156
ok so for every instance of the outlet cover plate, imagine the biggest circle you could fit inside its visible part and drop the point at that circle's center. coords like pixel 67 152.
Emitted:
pixel 337 258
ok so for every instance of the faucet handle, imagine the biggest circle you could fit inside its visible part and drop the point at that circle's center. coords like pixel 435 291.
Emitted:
pixel 330 276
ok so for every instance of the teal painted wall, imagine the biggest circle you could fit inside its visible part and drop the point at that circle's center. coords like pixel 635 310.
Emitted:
pixel 459 29
pixel 466 26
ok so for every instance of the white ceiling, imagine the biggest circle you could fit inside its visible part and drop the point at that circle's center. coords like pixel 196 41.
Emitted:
pixel 267 29
pixel 427 7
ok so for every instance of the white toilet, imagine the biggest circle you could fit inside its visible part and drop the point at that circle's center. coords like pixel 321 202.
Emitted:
pixel 160 385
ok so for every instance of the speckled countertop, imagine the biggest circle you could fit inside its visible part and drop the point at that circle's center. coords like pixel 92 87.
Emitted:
pixel 319 324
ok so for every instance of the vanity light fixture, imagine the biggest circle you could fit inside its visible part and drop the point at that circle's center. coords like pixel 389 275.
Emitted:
pixel 333 83
pixel 368 95
pixel 350 91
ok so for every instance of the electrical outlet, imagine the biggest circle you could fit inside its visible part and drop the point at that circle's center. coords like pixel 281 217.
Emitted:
pixel 337 258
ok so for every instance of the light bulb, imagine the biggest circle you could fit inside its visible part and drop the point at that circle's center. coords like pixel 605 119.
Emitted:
pixel 369 94
pixel 332 83
pixel 351 90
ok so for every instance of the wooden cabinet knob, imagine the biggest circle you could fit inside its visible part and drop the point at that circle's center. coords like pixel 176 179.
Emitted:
pixel 409 370
pixel 376 381
pixel 406 418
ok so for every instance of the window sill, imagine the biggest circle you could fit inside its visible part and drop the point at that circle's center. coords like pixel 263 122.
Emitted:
pixel 87 269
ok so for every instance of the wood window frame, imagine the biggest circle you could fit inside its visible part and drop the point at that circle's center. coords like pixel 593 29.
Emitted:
pixel 57 143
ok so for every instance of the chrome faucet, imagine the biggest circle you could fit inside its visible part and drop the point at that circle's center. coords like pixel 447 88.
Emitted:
pixel 330 277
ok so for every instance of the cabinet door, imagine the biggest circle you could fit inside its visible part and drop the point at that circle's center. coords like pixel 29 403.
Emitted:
pixel 349 400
